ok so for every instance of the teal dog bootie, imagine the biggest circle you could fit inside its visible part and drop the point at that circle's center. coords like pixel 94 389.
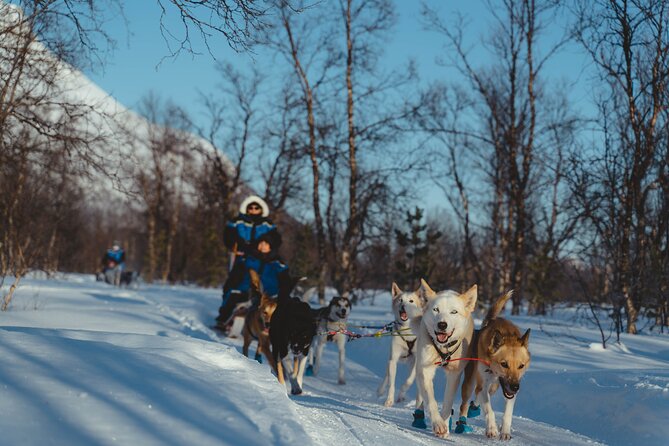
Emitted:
pixel 473 411
pixel 419 419
pixel 461 426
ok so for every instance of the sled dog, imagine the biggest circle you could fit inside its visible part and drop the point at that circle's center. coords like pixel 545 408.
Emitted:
pixel 292 328
pixel 257 321
pixel 406 306
pixel 506 357
pixel 444 333
pixel 331 318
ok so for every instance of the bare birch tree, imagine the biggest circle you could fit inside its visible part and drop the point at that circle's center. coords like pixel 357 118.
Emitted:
pixel 629 44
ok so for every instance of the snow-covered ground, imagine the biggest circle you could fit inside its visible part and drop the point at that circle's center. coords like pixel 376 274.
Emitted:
pixel 86 364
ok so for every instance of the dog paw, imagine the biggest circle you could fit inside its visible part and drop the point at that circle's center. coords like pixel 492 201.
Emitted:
pixel 296 391
pixel 440 428
pixel 491 432
pixel 400 399
pixel 388 403
pixel 341 381
pixel 505 436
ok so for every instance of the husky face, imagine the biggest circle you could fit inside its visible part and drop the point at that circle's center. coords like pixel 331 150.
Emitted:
pixel 340 308
pixel 509 359
pixel 266 309
pixel 447 315
pixel 406 305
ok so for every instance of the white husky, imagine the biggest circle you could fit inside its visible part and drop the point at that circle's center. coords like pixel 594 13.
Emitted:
pixel 444 333
pixel 406 307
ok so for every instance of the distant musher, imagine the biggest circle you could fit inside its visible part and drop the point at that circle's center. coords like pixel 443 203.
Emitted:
pixel 113 264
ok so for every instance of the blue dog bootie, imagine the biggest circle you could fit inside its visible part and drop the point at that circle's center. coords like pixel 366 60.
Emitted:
pixel 258 357
pixel 473 411
pixel 461 426
pixel 419 419
pixel 309 371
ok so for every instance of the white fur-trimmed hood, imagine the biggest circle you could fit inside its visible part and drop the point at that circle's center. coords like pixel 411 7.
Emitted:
pixel 254 199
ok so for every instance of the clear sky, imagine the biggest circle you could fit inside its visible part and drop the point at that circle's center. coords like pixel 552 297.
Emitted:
pixel 139 63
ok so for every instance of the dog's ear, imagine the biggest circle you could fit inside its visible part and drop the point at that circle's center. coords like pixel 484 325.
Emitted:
pixel 256 284
pixel 395 291
pixel 469 298
pixel 426 292
pixel 496 341
pixel 525 339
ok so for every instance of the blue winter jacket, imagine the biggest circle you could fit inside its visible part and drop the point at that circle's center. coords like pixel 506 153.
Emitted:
pixel 117 257
pixel 247 231
pixel 269 272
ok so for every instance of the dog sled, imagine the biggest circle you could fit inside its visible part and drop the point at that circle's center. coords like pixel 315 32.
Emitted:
pixel 128 279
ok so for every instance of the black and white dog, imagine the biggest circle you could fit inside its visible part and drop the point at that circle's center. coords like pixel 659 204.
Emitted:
pixel 291 332
pixel 331 321
pixel 407 305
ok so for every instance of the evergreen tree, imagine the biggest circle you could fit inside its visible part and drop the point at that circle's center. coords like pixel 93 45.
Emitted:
pixel 416 244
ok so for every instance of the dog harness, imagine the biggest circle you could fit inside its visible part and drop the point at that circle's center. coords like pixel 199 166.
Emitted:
pixel 410 344
pixel 446 356
pixel 331 333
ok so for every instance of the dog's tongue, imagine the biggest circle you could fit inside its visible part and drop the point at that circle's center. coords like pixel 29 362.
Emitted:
pixel 442 337
pixel 265 330
pixel 403 315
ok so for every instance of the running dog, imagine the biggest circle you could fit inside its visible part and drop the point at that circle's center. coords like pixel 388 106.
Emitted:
pixel 503 359
pixel 407 306
pixel 330 319
pixel 444 337
pixel 293 328
pixel 257 321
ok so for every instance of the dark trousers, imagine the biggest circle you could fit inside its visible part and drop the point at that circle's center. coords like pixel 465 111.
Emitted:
pixel 228 306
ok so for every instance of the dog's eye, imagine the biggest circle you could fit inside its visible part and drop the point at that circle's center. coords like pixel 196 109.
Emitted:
pixel 454 311
pixel 521 366
pixel 504 364
pixel 435 309
pixel 411 300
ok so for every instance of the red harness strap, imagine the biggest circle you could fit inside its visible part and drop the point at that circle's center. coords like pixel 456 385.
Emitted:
pixel 463 359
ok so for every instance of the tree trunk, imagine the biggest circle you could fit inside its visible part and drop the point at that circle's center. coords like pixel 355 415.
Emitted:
pixel 7 299
pixel 348 256
pixel 309 102
pixel 151 229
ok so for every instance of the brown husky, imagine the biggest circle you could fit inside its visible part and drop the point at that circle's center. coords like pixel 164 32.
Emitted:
pixel 503 359
pixel 256 325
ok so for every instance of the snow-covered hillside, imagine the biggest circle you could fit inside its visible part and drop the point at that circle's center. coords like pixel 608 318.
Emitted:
pixel 87 364
pixel 50 99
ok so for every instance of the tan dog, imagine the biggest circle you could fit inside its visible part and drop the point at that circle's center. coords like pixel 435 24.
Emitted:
pixel 257 321
pixel 443 335
pixel 504 358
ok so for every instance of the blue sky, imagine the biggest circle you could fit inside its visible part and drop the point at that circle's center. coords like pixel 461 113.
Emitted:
pixel 140 62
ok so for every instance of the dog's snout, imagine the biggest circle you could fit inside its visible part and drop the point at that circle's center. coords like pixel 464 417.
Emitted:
pixel 442 325
pixel 514 387
pixel 343 311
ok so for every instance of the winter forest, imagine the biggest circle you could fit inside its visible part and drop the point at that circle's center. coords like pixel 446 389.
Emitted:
pixel 535 195
pixel 383 199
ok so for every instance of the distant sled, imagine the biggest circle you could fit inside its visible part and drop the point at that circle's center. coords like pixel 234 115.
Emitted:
pixel 129 279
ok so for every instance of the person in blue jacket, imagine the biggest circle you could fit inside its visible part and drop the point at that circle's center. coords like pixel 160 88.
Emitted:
pixel 254 241
pixel 113 263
